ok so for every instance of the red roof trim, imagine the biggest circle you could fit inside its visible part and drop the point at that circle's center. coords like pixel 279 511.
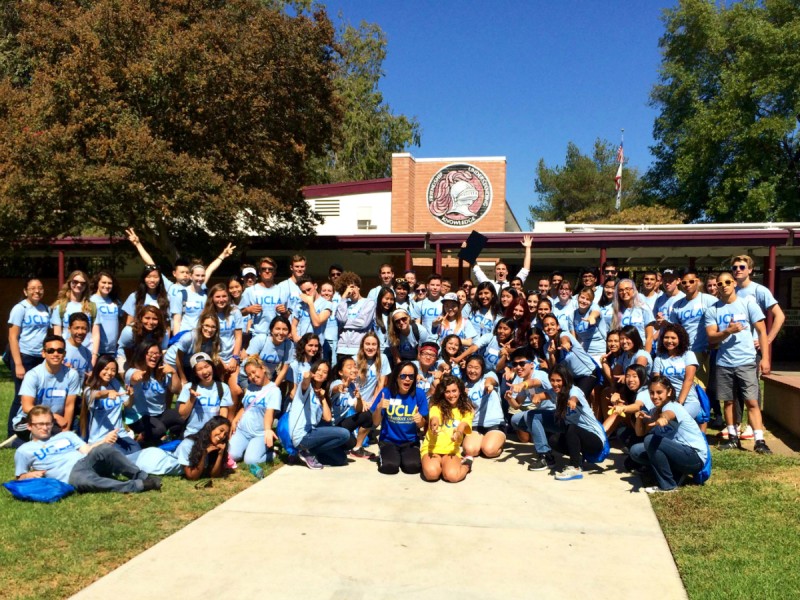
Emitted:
pixel 348 188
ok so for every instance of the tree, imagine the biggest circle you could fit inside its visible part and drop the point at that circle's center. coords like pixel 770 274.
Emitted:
pixel 369 133
pixel 583 186
pixel 727 146
pixel 187 120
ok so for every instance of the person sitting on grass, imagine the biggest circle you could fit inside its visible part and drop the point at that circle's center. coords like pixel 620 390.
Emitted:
pixel 67 458
pixel 449 422
pixel 205 453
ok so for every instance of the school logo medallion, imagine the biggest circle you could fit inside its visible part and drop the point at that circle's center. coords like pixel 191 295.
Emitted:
pixel 459 195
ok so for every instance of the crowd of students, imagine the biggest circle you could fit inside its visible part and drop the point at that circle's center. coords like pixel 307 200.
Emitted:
pixel 435 377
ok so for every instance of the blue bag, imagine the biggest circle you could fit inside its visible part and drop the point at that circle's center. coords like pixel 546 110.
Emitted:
pixel 704 416
pixel 41 489
pixel 284 435
pixel 703 474
pixel 171 445
pixel 602 455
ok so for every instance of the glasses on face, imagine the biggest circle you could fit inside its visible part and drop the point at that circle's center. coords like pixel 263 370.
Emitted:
pixel 153 355
pixel 738 267
pixel 401 320
pixel 688 281
pixel 520 363
pixel 625 289
pixel 726 282
pixel 42 424
pixel 406 376
pixel 421 290
pixel 267 269
pixel 54 350
pixel 78 282
pixel 429 353
pixel 335 274
pixel 610 271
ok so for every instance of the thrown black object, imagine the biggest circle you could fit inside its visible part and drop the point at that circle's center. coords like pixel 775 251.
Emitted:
pixel 475 245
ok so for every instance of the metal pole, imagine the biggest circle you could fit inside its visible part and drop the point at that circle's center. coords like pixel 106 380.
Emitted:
pixel 602 260
pixel 61 269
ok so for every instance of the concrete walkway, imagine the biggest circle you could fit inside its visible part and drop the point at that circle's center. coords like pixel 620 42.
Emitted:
pixel 349 533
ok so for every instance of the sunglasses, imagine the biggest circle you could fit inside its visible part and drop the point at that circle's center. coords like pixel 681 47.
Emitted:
pixel 55 350
pixel 401 320
pixel 421 291
pixel 150 268
pixel 400 280
pixel 406 376
pixel 610 271
pixel 518 364
pixel 726 282
pixel 267 269
pixel 77 282
pixel 739 268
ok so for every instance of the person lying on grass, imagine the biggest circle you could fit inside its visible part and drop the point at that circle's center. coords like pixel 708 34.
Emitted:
pixel 66 457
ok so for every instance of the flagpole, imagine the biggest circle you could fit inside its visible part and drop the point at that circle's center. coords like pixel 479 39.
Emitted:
pixel 618 178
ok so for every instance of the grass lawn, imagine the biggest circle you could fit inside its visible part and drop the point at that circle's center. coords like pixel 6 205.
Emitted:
pixel 54 550
pixel 738 536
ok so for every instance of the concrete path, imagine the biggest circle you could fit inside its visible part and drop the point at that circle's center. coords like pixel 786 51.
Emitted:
pixel 350 533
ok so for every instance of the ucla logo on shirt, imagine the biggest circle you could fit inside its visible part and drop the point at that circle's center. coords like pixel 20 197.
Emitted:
pixel 688 314
pixel 672 370
pixel 204 400
pixel 108 309
pixel 430 312
pixel 38 319
pixel 56 447
pixel 112 403
pixel 49 393
pixel 271 359
pixel 270 301
pixel 475 394
pixel 152 385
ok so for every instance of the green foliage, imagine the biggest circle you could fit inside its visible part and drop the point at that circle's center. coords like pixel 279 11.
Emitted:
pixel 369 133
pixel 187 120
pixel 583 189
pixel 727 146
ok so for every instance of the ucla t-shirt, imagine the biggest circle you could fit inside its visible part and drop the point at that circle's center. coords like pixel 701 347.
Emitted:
pixel 48 389
pixel 397 426
pixel 56 456
pixel 207 404
pixel 33 322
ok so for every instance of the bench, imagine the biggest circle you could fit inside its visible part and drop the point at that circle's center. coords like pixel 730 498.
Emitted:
pixel 782 399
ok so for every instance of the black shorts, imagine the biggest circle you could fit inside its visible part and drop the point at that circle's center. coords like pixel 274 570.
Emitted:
pixel 484 430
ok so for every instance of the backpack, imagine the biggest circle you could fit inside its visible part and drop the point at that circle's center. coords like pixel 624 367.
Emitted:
pixel 603 454
pixel 705 405
pixel 41 489
pixel 284 435
pixel 703 474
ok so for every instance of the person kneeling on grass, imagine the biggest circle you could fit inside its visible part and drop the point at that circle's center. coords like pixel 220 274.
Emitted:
pixel 673 443
pixel 449 421
pixel 66 457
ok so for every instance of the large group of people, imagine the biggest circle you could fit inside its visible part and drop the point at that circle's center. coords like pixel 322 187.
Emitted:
pixel 180 378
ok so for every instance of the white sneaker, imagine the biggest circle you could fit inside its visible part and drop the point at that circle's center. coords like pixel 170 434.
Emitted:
pixel 569 473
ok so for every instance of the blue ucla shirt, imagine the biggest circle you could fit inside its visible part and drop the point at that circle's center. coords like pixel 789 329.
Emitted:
pixel 33 322
pixel 683 429
pixel 108 313
pixel 227 332
pixel 583 416
pixel 397 425
pixel 149 395
pixel 426 311
pixel 738 349
pixel 592 337
pixel 303 317
pixel 488 410
pixel 674 369
pixel 256 402
pixel 63 319
pixel 189 305
pixel 78 358
pixel 368 385
pixel 207 404
pixel 269 298
pixel 272 355
pixel 689 314
pixel 56 456
pixel 106 413
pixel 48 389
pixel 640 317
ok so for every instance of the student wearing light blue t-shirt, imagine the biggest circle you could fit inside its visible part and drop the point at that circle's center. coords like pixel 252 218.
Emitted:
pixel 78 356
pixel 312 312
pixel 405 337
pixel 103 405
pixel 253 439
pixel 206 452
pixel 67 458
pixel 50 384
pixel 260 302
pixel 27 327
pixel 349 406
pixel 426 310
pixel 355 314
pixel 205 397
pixel 488 423
pixel 673 444
pixel 679 365
pixel 581 435
pixel 564 349
pixel 317 440
pixel 729 324
pixel 275 349
pixel 624 405
pixel 105 296
pixel 630 309
pixel 74 297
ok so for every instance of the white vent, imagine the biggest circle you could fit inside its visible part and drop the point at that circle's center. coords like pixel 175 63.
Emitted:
pixel 327 207
pixel 366 224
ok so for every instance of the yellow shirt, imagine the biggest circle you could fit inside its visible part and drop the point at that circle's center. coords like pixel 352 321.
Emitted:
pixel 442 442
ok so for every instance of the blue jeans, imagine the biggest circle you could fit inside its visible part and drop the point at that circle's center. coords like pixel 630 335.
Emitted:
pixel 666 457
pixel 328 443
pixel 252 449
pixel 537 422
pixel 96 471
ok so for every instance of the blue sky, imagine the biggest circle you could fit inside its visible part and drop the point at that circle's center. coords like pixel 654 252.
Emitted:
pixel 519 79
